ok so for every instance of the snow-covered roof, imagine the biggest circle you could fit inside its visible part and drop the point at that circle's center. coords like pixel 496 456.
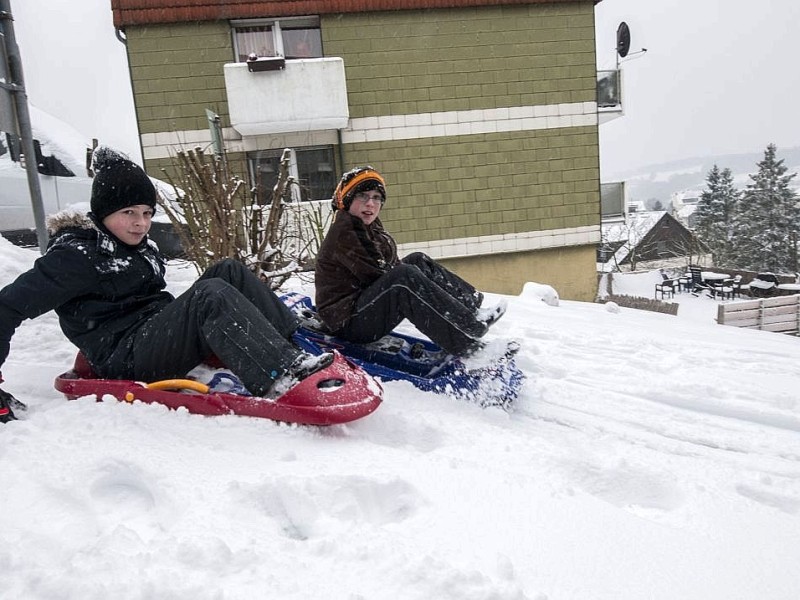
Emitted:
pixel 56 138
pixel 61 140
pixel 634 228
pixel 630 232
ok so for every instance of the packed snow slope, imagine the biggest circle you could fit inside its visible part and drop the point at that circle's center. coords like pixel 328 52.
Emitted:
pixel 649 456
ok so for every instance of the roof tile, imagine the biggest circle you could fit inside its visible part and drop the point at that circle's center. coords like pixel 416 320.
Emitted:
pixel 144 12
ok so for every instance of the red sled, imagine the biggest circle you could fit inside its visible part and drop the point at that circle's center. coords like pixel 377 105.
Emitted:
pixel 340 393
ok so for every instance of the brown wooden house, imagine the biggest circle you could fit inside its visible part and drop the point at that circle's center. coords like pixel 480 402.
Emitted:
pixel 649 239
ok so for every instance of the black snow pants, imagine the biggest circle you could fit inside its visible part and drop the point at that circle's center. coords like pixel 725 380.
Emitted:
pixel 436 301
pixel 229 313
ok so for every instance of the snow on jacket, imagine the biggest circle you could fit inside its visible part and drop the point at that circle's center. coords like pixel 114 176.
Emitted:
pixel 100 288
pixel 352 256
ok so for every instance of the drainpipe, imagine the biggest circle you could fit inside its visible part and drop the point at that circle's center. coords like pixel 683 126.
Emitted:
pixel 341 151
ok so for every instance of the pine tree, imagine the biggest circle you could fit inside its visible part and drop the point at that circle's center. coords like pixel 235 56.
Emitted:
pixel 715 215
pixel 768 219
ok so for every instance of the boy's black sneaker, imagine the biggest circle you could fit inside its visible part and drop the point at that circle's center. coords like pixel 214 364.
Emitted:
pixel 490 316
pixel 304 365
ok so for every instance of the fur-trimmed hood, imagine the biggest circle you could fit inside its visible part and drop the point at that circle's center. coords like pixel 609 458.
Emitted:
pixel 71 224
pixel 68 219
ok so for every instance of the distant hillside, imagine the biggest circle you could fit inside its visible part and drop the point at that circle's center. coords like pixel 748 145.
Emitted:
pixel 660 181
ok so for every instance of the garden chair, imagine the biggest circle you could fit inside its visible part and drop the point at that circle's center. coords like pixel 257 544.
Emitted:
pixel 666 287
pixel 723 289
pixel 740 288
pixel 685 282
pixel 697 284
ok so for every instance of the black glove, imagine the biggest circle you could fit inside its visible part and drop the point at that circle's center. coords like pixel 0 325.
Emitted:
pixel 7 403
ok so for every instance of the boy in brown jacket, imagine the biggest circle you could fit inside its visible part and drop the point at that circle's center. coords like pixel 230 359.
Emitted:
pixel 363 291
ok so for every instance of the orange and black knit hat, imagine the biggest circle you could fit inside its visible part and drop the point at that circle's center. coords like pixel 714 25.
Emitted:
pixel 355 181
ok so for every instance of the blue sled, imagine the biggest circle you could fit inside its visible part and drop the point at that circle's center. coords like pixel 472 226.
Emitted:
pixel 403 357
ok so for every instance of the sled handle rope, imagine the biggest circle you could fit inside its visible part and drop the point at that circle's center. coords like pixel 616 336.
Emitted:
pixel 173 384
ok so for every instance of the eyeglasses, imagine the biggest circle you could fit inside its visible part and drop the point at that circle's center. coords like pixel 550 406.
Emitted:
pixel 364 197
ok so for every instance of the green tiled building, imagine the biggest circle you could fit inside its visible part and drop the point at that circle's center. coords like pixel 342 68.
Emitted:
pixel 481 115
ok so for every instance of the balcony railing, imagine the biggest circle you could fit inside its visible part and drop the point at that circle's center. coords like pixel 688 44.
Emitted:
pixel 307 94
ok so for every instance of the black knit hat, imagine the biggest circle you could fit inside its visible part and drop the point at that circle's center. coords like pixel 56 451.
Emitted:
pixel 118 183
pixel 355 181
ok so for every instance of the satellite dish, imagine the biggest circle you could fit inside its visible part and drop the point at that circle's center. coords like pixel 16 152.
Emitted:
pixel 623 39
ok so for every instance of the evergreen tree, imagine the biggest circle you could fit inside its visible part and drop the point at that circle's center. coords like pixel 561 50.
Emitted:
pixel 715 215
pixel 768 219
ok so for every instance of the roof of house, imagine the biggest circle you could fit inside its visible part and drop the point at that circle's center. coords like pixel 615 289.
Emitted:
pixel 619 238
pixel 144 12
pixel 636 227
pixel 622 237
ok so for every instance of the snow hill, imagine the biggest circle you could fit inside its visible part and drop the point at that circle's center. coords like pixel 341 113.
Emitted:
pixel 649 456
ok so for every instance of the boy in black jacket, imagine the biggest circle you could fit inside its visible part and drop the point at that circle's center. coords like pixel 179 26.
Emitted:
pixel 105 280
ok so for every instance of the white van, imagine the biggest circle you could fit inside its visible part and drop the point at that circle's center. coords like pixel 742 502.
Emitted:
pixel 16 211
pixel 17 223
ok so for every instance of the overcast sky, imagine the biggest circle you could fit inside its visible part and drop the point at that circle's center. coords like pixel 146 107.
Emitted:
pixel 719 76
pixel 76 69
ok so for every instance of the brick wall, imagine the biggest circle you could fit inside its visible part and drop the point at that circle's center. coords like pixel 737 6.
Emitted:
pixel 427 61
pixel 486 184
pixel 177 73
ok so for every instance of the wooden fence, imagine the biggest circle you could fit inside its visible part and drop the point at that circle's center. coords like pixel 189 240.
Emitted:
pixel 780 314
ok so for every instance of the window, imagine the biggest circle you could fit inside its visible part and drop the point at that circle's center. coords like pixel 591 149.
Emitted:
pixel 296 37
pixel 258 40
pixel 312 167
pixel 608 89
pixel 612 200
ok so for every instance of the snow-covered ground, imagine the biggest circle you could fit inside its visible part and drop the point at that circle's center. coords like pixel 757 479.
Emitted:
pixel 649 456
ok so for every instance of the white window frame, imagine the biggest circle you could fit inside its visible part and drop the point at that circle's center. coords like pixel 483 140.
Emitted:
pixel 293 168
pixel 312 22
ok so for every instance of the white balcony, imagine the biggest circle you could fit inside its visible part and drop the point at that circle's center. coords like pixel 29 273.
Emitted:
pixel 308 94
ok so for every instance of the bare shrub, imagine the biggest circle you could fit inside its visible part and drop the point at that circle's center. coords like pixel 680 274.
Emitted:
pixel 217 216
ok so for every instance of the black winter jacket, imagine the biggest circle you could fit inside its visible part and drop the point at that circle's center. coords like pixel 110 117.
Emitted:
pixel 352 256
pixel 101 288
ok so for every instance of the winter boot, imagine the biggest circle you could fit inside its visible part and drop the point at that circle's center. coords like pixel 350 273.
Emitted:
pixel 8 404
pixel 304 365
pixel 490 316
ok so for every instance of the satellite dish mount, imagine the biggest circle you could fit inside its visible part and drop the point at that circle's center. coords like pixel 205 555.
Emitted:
pixel 624 42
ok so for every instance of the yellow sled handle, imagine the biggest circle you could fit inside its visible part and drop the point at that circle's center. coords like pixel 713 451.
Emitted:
pixel 170 384
pixel 181 384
